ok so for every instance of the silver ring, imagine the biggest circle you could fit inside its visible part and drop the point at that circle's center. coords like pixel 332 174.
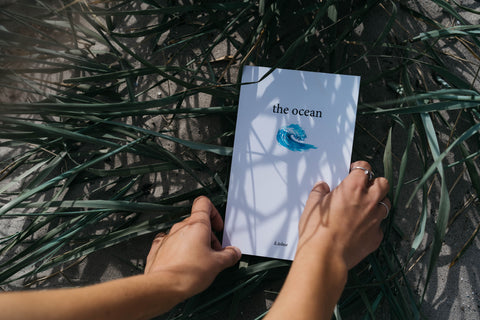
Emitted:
pixel 369 173
pixel 386 208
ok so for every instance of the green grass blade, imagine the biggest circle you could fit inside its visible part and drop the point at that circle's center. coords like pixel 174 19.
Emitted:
pixel 468 30
pixel 25 174
pixel 54 131
pixel 140 170
pixel 403 166
pixel 117 205
pixel 220 150
pixel 388 163
pixel 444 205
pixel 437 165
pixel 25 195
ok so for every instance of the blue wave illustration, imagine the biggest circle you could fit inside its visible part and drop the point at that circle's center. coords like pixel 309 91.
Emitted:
pixel 292 137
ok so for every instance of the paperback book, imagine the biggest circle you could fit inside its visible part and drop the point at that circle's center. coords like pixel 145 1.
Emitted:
pixel 294 128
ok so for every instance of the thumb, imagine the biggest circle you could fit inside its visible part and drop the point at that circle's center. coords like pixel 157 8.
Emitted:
pixel 227 257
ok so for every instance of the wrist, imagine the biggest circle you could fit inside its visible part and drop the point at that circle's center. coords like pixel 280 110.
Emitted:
pixel 323 261
pixel 324 269
pixel 322 248
pixel 172 281
pixel 313 285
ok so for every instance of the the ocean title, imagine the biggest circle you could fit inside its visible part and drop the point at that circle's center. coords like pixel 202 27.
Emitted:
pixel 297 111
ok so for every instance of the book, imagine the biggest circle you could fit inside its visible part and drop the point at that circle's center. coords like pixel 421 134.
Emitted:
pixel 294 128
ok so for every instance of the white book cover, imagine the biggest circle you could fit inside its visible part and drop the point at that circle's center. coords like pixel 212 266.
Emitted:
pixel 294 128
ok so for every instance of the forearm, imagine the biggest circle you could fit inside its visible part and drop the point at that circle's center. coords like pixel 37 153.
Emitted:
pixel 138 297
pixel 313 286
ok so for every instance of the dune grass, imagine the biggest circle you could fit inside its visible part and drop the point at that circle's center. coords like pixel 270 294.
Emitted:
pixel 115 115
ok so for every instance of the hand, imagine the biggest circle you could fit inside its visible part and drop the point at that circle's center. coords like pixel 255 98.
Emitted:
pixel 191 250
pixel 347 220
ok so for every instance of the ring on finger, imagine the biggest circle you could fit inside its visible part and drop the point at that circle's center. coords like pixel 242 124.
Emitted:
pixel 386 208
pixel 369 173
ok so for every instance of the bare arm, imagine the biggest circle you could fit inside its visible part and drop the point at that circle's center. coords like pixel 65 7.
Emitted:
pixel 179 265
pixel 138 297
pixel 337 230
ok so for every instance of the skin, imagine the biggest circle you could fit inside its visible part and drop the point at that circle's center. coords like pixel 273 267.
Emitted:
pixel 179 265
pixel 337 230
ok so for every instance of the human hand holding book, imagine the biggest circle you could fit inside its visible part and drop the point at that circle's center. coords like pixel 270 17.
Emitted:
pixel 337 230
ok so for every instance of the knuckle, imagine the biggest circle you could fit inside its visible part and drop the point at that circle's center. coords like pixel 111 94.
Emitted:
pixel 321 187
pixel 179 225
pixel 361 163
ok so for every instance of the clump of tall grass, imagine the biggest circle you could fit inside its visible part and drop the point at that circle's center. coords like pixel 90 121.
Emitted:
pixel 116 114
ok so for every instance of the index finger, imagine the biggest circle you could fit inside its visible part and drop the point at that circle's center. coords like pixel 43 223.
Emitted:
pixel 203 206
